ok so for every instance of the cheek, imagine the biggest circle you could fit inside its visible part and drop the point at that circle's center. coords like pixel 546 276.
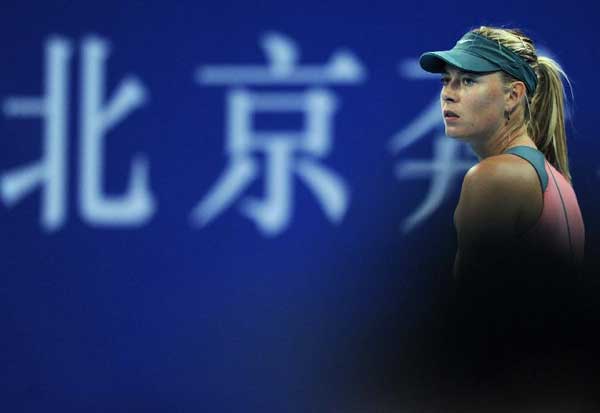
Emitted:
pixel 486 108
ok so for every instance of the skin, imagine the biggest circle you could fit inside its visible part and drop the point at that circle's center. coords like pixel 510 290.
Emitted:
pixel 501 196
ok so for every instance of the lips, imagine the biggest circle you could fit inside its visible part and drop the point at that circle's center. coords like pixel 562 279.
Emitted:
pixel 450 114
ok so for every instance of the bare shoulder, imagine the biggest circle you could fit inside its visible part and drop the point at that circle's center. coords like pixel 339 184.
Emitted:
pixel 499 176
pixel 497 191
pixel 500 198
pixel 507 173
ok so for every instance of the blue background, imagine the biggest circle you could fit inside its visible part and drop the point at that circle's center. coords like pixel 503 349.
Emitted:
pixel 170 317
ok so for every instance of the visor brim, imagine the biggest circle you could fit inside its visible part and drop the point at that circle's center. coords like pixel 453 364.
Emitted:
pixel 435 62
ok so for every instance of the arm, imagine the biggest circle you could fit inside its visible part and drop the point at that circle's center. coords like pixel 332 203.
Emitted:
pixel 490 202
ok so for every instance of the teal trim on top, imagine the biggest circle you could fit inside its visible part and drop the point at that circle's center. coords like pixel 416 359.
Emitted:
pixel 535 158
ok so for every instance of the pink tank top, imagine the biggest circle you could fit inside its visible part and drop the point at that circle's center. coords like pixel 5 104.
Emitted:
pixel 559 230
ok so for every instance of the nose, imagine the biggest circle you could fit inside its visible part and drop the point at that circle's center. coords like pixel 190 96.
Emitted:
pixel 448 95
pixel 451 89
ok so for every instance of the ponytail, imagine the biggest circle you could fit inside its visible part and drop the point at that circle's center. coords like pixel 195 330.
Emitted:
pixel 545 113
pixel 546 125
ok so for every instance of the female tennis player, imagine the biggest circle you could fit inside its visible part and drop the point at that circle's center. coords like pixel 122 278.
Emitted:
pixel 519 227
pixel 517 203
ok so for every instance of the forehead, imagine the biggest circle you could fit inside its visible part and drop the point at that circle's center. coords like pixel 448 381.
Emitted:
pixel 450 70
pixel 453 70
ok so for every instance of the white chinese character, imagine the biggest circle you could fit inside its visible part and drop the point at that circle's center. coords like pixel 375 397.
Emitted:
pixel 50 171
pixel 451 158
pixel 95 121
pixel 287 153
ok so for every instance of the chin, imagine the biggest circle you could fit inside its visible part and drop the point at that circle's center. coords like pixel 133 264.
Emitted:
pixel 454 134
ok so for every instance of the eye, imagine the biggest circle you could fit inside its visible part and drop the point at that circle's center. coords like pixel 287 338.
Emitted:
pixel 444 80
pixel 467 81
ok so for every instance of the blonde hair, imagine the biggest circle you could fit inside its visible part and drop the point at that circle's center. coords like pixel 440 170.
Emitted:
pixel 544 112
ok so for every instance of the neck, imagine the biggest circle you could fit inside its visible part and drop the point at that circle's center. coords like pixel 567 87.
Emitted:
pixel 500 142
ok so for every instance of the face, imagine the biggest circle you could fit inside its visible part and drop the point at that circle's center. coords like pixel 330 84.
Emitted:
pixel 473 104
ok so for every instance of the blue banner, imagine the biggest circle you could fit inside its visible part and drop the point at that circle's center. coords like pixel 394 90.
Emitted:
pixel 238 207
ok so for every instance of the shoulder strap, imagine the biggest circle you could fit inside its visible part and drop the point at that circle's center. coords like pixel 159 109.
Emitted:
pixel 535 158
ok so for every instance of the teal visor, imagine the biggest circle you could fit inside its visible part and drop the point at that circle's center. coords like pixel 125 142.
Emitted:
pixel 476 53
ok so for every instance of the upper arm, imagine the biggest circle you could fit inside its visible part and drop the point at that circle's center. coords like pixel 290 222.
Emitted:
pixel 487 212
pixel 489 204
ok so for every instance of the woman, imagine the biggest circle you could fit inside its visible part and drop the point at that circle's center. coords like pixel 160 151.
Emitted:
pixel 507 104
pixel 519 228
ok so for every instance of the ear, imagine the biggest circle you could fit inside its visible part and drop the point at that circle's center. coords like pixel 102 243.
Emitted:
pixel 516 92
